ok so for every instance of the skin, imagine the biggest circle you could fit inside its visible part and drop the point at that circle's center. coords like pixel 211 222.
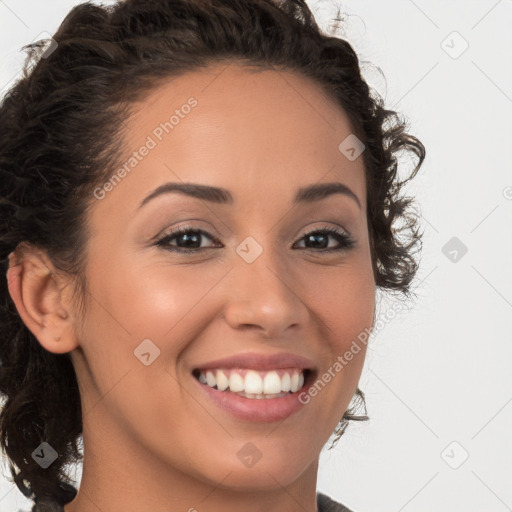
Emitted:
pixel 152 439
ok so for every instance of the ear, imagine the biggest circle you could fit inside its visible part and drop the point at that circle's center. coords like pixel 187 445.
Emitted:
pixel 37 291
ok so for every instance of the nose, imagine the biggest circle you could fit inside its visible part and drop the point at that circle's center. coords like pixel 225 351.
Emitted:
pixel 265 296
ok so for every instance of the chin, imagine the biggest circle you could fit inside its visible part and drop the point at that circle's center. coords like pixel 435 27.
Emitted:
pixel 263 475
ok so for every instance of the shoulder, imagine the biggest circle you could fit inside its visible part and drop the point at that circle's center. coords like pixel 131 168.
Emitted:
pixel 326 504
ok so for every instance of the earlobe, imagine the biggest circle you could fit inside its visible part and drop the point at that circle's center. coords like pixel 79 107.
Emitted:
pixel 34 289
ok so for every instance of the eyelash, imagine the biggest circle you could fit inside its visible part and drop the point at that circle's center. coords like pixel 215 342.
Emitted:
pixel 345 240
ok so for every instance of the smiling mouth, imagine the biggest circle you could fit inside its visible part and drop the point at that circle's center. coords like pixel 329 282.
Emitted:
pixel 251 383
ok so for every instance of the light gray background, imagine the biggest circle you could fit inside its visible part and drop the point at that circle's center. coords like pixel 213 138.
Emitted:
pixel 437 376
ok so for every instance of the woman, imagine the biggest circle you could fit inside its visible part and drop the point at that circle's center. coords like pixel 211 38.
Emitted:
pixel 199 201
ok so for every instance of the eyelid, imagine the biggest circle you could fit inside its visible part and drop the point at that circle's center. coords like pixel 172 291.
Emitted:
pixel 175 232
pixel 331 229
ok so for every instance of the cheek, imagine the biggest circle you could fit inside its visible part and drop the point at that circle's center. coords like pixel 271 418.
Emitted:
pixel 343 300
pixel 155 300
pixel 343 303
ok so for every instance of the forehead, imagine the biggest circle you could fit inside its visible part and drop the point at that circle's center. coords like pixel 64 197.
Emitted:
pixel 268 103
pixel 241 128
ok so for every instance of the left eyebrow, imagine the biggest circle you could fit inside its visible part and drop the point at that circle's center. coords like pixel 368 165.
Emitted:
pixel 322 190
pixel 206 192
pixel 219 195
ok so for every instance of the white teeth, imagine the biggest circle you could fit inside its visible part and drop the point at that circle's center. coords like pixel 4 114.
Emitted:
pixel 272 383
pixel 210 379
pixel 236 382
pixel 222 380
pixel 294 385
pixel 252 383
pixel 286 382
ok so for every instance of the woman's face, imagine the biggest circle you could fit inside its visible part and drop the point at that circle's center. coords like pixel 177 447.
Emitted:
pixel 251 282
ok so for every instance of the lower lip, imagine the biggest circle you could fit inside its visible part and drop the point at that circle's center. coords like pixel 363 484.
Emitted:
pixel 256 409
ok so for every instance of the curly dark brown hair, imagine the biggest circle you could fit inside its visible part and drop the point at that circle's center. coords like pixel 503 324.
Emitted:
pixel 61 137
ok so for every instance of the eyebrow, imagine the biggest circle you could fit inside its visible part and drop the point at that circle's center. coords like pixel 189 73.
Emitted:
pixel 223 196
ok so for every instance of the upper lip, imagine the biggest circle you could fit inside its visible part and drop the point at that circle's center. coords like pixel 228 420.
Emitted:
pixel 252 360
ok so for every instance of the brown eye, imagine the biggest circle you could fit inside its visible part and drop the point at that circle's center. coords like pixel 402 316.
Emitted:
pixel 319 239
pixel 187 240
